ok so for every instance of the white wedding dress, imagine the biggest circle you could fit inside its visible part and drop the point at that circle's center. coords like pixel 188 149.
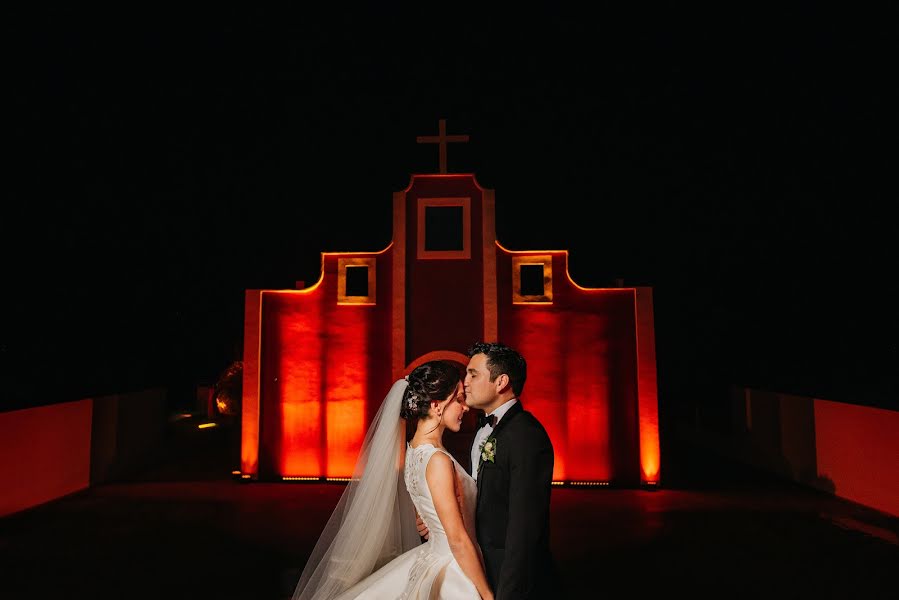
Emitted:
pixel 429 571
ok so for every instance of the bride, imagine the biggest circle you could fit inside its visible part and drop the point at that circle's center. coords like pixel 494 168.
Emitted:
pixel 370 547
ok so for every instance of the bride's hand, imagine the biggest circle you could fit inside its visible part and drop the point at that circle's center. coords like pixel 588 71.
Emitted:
pixel 423 530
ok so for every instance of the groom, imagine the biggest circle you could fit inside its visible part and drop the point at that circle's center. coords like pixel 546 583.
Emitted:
pixel 512 461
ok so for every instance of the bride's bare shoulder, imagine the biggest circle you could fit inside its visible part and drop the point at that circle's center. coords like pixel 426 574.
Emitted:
pixel 439 465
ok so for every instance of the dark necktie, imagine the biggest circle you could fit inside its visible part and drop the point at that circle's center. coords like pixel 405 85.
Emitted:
pixel 486 420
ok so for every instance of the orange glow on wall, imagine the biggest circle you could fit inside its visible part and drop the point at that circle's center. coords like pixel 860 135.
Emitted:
pixel 345 400
pixel 648 399
pixel 249 410
pixel 293 371
pixel 317 374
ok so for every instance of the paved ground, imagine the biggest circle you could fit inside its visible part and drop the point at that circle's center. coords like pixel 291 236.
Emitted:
pixel 187 530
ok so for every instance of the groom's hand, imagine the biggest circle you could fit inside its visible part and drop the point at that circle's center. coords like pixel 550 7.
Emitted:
pixel 422 528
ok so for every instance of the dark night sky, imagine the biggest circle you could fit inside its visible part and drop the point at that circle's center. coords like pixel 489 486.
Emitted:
pixel 164 163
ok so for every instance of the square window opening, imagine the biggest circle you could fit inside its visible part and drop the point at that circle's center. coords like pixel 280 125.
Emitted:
pixel 444 228
pixel 357 280
pixel 531 280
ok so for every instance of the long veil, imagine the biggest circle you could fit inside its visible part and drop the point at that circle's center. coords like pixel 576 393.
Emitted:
pixel 374 520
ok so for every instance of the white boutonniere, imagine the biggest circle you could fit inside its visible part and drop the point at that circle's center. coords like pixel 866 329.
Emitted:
pixel 488 450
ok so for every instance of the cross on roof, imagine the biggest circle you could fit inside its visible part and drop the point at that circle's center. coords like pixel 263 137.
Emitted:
pixel 441 139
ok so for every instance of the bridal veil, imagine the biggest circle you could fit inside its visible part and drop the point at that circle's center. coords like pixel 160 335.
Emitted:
pixel 374 520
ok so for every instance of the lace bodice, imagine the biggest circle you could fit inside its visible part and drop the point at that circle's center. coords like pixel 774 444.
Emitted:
pixel 417 484
pixel 428 571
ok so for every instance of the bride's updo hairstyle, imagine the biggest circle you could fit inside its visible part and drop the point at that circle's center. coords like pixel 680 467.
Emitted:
pixel 430 381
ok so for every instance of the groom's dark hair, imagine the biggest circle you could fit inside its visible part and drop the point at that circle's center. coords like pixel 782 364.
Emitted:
pixel 503 359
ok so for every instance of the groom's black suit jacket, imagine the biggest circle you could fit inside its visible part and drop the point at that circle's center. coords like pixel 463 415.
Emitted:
pixel 513 509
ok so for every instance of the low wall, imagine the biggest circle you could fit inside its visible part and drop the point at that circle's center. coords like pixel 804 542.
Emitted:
pixel 848 450
pixel 51 451
pixel 128 430
pixel 44 453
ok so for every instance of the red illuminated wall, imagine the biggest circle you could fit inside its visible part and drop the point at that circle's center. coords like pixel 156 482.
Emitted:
pixel 45 453
pixel 324 372
pixel 316 370
pixel 444 305
pixel 582 372
pixel 858 451
pixel 844 449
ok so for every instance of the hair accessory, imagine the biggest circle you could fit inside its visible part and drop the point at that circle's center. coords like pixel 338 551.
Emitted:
pixel 412 402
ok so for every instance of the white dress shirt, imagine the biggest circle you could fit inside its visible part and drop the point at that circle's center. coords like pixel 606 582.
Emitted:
pixel 483 433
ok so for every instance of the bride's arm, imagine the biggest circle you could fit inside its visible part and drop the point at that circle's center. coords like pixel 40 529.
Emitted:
pixel 441 477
